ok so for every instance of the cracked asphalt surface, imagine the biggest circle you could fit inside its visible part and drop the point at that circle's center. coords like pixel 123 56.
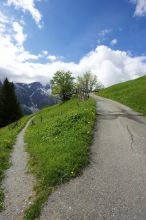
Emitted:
pixel 113 186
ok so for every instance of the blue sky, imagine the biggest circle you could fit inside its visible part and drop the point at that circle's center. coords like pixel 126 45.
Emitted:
pixel 71 34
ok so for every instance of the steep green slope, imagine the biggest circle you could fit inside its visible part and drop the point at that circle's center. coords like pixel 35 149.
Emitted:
pixel 131 93
pixel 8 136
pixel 58 144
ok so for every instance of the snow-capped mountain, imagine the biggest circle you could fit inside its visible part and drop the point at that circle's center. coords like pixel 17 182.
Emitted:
pixel 34 96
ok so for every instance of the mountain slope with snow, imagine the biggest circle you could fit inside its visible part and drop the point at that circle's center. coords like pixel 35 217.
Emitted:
pixel 34 96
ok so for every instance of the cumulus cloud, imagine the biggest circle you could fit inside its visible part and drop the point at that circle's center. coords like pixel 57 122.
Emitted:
pixel 19 65
pixel 140 7
pixel 114 42
pixel 45 52
pixel 29 6
pixel 111 66
pixel 19 36
pixel 52 58
pixel 12 38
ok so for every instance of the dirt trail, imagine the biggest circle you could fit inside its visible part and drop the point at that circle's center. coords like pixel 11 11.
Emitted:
pixel 113 187
pixel 18 183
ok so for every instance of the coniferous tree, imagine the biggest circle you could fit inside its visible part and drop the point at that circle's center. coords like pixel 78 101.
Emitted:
pixel 10 109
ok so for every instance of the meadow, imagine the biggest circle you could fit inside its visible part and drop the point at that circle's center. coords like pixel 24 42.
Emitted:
pixel 131 93
pixel 58 144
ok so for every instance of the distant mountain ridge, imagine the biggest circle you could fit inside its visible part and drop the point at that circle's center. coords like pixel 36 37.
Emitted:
pixel 34 96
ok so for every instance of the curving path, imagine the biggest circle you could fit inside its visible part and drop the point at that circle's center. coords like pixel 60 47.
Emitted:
pixel 113 186
pixel 18 184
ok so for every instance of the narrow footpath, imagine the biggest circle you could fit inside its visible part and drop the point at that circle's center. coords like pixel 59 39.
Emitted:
pixel 18 184
pixel 113 186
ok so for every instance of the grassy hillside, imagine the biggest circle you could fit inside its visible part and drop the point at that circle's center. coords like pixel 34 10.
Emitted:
pixel 58 143
pixel 7 139
pixel 131 93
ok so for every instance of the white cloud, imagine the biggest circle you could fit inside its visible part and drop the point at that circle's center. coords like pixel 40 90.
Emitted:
pixel 3 22
pixel 19 65
pixel 27 56
pixel 11 42
pixel 20 37
pixel 140 7
pixel 114 42
pixel 27 5
pixel 52 58
pixel 3 18
pixel 111 66
pixel 45 52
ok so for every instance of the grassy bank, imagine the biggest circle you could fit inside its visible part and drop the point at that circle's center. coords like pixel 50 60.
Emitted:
pixel 131 93
pixel 58 143
pixel 8 136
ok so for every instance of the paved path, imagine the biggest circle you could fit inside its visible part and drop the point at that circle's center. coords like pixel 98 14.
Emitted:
pixel 18 184
pixel 113 187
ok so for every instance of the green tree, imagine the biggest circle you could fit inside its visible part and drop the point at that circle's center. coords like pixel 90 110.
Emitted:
pixel 63 84
pixel 87 83
pixel 10 109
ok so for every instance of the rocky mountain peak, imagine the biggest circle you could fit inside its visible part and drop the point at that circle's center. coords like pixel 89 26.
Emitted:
pixel 34 96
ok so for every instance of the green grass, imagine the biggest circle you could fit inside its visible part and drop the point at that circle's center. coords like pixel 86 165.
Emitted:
pixel 131 93
pixel 59 146
pixel 7 140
